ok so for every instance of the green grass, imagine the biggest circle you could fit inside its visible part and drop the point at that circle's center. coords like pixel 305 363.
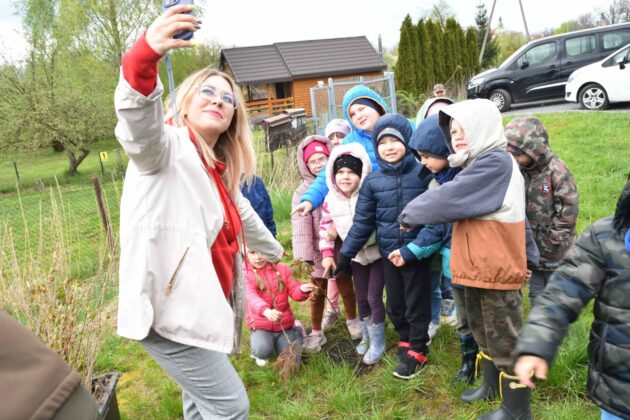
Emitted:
pixel 41 167
pixel 594 146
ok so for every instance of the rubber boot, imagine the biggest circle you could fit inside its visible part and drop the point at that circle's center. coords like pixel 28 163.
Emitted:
pixel 377 343
pixel 489 389
pixel 362 348
pixel 469 350
pixel 515 400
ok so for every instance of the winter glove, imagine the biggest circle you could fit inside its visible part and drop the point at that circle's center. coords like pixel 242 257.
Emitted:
pixel 343 266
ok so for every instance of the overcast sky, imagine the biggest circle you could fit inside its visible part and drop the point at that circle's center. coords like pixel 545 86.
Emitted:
pixel 244 23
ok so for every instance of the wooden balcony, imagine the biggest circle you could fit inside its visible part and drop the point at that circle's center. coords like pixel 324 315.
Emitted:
pixel 268 107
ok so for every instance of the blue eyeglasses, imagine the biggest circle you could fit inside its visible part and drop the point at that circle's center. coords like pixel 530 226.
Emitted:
pixel 210 92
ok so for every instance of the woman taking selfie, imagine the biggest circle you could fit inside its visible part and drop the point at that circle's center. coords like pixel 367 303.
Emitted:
pixel 184 221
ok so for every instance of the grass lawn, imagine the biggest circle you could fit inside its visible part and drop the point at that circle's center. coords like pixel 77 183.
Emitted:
pixel 331 384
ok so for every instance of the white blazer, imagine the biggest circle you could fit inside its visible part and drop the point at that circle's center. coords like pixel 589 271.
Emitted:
pixel 171 212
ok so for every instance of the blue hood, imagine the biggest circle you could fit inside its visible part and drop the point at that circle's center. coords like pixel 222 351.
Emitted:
pixel 357 92
pixel 428 138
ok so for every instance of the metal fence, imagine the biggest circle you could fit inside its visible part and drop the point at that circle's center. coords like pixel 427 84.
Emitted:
pixel 326 100
pixel 37 222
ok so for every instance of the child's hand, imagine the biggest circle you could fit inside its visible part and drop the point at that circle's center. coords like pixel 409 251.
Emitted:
pixel 329 266
pixel 307 287
pixel 528 275
pixel 396 258
pixel 303 209
pixel 528 366
pixel 331 234
pixel 272 315
pixel 406 228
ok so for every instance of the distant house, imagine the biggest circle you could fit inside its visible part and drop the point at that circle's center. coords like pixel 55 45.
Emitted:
pixel 279 76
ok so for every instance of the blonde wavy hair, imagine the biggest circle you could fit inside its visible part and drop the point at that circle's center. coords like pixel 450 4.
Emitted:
pixel 234 147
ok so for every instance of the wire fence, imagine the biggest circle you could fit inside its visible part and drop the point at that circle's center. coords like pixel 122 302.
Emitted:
pixel 326 100
pixel 28 173
pixel 33 223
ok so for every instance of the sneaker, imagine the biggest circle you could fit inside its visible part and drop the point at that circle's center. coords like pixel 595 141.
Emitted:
pixel 411 365
pixel 447 307
pixel 354 328
pixel 313 342
pixel 330 317
pixel 259 362
pixel 401 351
pixel 433 329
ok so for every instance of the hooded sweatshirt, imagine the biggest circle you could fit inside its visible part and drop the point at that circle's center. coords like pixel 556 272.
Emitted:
pixel 492 242
pixel 317 192
pixel 306 228
pixel 552 197
pixel 339 209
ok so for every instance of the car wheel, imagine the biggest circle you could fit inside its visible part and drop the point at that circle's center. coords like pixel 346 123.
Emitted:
pixel 593 97
pixel 501 99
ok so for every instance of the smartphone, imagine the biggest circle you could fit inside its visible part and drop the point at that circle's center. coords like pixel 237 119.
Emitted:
pixel 167 4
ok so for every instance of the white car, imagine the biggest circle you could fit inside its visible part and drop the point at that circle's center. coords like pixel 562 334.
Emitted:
pixel 598 84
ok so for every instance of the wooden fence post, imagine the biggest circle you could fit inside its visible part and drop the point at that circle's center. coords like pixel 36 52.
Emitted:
pixel 104 216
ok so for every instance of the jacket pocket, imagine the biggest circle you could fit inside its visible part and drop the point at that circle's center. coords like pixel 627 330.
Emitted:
pixel 171 281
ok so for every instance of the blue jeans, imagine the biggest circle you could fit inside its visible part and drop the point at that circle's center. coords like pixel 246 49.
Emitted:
pixel 436 296
pixel 609 416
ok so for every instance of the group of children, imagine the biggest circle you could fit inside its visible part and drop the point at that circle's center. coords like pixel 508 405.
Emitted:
pixel 383 200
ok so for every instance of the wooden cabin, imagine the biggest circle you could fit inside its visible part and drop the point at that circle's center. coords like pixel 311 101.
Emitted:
pixel 279 76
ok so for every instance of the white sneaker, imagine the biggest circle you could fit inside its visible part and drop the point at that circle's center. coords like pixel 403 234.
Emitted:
pixel 330 317
pixel 259 362
pixel 355 328
pixel 313 342
pixel 451 319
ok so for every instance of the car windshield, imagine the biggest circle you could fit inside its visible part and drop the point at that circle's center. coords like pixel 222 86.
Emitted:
pixel 511 58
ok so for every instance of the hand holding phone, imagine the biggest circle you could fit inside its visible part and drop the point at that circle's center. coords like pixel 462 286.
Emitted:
pixel 167 4
pixel 167 30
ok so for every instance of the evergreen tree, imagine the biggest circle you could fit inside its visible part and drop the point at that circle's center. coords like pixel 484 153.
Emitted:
pixel 436 50
pixel 405 70
pixel 491 51
pixel 472 50
pixel 426 59
pixel 451 48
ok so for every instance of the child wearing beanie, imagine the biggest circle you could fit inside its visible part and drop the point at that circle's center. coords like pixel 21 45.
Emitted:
pixel 336 130
pixel 383 195
pixel 349 167
pixel 312 156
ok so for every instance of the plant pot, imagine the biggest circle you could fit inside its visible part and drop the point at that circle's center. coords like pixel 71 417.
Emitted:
pixel 104 393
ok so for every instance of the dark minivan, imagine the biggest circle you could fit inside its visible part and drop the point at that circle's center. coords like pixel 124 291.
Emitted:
pixel 540 69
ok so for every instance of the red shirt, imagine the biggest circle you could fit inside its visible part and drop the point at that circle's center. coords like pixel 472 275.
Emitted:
pixel 140 70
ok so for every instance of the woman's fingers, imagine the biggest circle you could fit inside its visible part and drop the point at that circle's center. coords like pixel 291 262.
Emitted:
pixel 182 8
pixel 161 32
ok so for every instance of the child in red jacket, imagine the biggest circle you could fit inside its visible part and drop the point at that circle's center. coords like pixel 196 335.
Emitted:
pixel 269 316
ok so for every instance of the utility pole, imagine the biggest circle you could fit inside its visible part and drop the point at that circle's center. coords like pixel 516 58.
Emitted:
pixel 485 37
pixel 520 2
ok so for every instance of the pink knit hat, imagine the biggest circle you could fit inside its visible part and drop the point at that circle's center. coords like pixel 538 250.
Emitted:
pixel 315 147
pixel 337 126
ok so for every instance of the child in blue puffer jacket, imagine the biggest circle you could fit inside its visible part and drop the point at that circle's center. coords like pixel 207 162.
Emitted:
pixel 382 197
pixel 428 143
pixel 362 107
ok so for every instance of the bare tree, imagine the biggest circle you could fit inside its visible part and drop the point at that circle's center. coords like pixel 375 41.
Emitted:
pixel 617 11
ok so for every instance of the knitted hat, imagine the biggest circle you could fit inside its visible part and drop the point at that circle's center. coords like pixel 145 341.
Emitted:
pixel 369 102
pixel 314 147
pixel 337 126
pixel 350 162
pixel 395 125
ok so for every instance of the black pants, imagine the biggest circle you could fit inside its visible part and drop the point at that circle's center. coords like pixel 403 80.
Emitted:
pixel 409 301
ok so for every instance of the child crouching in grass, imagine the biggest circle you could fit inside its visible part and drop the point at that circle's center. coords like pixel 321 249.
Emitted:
pixel 269 315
